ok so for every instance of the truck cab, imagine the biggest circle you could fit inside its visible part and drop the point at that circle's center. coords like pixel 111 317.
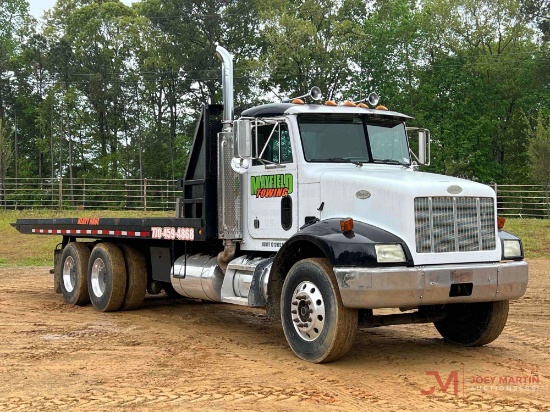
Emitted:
pixel 312 163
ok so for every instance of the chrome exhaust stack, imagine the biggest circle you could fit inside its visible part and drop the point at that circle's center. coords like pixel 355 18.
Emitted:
pixel 227 86
pixel 229 182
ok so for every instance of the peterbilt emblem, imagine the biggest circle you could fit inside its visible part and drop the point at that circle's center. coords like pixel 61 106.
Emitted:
pixel 362 194
pixel 454 190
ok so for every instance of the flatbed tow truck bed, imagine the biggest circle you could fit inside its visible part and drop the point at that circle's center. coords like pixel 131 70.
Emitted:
pixel 124 228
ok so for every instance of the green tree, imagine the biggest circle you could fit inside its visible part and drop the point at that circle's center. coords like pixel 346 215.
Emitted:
pixel 308 43
pixel 92 36
pixel 391 55
pixel 539 12
pixel 13 18
pixel 180 71
pixel 479 57
pixel 539 155
pixel 6 156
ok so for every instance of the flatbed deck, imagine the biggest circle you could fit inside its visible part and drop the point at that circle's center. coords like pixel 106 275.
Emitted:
pixel 189 229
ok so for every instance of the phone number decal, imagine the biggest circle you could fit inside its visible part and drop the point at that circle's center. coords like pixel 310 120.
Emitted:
pixel 173 233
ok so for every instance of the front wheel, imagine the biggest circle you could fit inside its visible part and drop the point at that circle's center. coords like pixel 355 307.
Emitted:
pixel 473 324
pixel 317 326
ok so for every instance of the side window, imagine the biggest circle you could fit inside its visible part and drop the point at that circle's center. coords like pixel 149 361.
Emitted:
pixel 271 144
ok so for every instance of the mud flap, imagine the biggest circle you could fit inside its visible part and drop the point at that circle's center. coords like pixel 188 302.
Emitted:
pixel 57 270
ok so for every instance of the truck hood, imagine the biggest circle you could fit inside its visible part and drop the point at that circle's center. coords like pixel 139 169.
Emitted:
pixel 384 197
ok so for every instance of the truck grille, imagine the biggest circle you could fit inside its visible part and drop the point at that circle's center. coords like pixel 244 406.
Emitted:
pixel 454 224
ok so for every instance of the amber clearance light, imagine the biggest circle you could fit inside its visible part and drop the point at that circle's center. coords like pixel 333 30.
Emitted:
pixel 346 224
pixel 500 222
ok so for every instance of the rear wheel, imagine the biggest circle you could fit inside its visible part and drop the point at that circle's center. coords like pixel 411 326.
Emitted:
pixel 473 324
pixel 73 282
pixel 136 281
pixel 106 277
pixel 317 326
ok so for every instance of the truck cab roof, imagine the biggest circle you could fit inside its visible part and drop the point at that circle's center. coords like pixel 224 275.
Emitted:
pixel 279 109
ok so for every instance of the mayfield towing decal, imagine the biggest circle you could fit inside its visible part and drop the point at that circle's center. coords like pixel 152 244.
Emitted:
pixel 271 185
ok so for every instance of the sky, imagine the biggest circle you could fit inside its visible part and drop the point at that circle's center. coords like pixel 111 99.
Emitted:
pixel 38 7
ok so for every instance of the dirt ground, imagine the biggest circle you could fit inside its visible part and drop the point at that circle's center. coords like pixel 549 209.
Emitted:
pixel 191 356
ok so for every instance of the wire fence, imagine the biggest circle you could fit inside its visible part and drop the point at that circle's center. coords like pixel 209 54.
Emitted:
pixel 63 194
pixel 529 201
pixel 523 201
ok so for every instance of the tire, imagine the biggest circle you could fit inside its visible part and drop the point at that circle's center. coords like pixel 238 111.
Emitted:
pixel 317 326
pixel 136 280
pixel 73 271
pixel 473 324
pixel 106 277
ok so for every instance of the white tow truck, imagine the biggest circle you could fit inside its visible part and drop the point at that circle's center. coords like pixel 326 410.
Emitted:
pixel 316 212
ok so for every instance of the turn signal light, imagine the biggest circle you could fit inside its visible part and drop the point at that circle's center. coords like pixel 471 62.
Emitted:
pixel 346 224
pixel 500 222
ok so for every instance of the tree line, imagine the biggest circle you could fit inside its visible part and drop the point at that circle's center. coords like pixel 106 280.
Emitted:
pixel 101 89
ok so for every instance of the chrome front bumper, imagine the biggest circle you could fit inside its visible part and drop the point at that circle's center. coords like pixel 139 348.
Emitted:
pixel 396 287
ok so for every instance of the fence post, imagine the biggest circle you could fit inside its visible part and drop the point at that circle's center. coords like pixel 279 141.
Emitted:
pixel 3 194
pixel 60 193
pixel 145 194
pixel 547 204
pixel 495 188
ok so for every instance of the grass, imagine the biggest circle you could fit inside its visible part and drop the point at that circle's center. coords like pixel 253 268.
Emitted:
pixel 37 250
pixel 534 233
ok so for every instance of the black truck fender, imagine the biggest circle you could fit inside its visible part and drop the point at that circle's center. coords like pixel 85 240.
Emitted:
pixel 325 239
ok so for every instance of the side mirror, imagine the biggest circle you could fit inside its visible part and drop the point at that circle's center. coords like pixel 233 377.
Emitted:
pixel 424 152
pixel 243 138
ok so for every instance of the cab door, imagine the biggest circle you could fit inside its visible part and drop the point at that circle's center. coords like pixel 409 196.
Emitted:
pixel 271 187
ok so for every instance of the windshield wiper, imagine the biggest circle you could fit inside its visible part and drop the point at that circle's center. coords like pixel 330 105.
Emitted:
pixel 390 162
pixel 340 160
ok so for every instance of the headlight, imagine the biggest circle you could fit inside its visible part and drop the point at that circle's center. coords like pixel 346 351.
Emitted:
pixel 511 249
pixel 389 253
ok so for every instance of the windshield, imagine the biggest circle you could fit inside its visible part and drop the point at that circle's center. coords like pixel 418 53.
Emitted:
pixel 353 138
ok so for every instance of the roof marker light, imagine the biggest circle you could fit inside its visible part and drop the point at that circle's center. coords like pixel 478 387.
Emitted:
pixel 363 106
pixel 381 108
pixel 330 103
pixel 297 101
pixel 349 104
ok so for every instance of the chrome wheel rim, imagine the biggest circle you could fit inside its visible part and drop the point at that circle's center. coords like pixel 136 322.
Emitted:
pixel 98 277
pixel 69 274
pixel 308 311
